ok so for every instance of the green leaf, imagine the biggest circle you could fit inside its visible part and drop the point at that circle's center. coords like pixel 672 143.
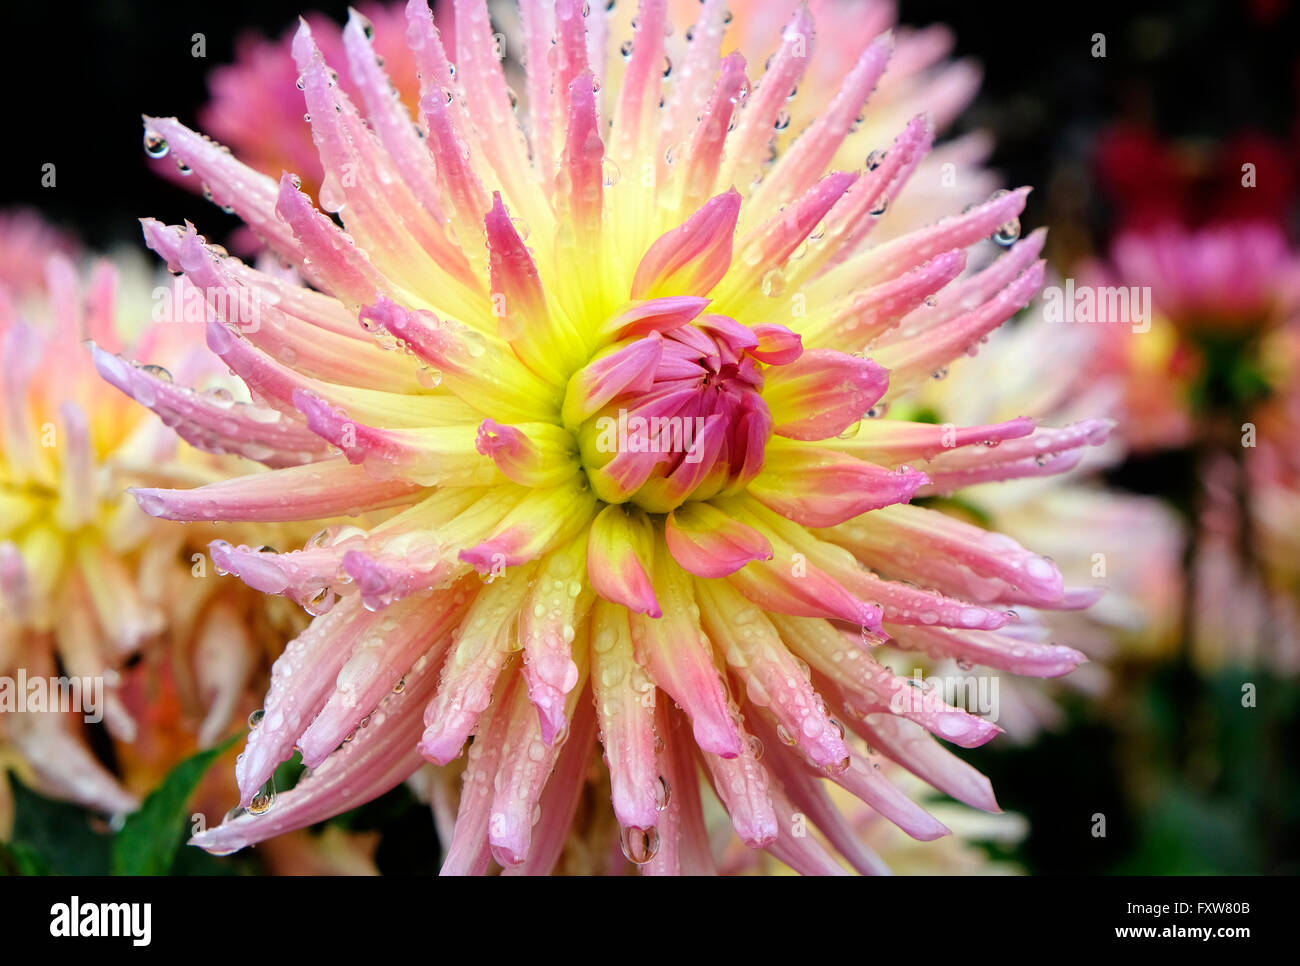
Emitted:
pixel 151 837
pixel 18 858
pixel 53 838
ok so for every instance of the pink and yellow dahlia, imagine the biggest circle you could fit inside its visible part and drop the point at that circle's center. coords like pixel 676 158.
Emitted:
pixel 91 589
pixel 600 377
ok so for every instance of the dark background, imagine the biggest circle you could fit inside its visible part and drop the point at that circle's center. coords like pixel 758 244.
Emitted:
pixel 1186 788
pixel 79 75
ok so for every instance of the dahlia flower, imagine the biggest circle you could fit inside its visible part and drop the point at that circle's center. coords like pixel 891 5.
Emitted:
pixel 1222 278
pixel 88 583
pixel 602 377
pixel 1215 373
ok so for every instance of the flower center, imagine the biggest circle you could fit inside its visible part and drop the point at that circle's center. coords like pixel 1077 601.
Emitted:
pixel 675 415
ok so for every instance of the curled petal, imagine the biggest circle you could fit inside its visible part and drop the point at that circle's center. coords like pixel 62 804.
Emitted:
pixel 549 624
pixel 214 423
pixel 924 544
pixel 892 442
pixel 628 369
pixel 679 658
pixel 325 489
pixel 832 487
pixel 379 758
pixel 822 394
pixel 530 454
pixel 744 785
pixel 708 543
pixel 479 654
pixel 625 711
pixel 694 257
pixel 619 547
pixel 773 680
pixel 378 663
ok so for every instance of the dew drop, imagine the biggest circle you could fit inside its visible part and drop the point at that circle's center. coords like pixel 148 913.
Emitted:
pixel 1007 233
pixel 220 396
pixel 663 793
pixel 773 283
pixel 331 196
pixel 640 845
pixel 155 145
pixel 263 800
pixel 320 602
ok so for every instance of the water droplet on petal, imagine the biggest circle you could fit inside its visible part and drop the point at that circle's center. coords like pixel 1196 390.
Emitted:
pixel 663 793
pixel 331 195
pixel 640 844
pixel 1007 233
pixel 155 145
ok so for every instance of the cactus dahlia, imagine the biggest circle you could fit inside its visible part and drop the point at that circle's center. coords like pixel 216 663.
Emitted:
pixel 597 373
